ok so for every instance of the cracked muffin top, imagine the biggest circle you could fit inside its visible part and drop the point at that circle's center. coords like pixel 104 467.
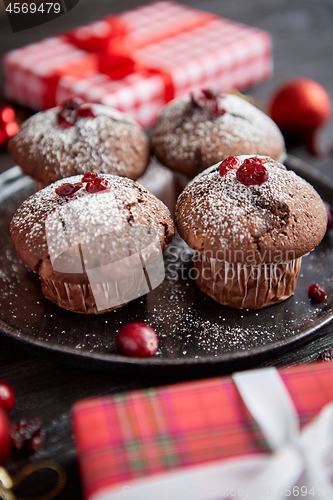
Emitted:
pixel 76 138
pixel 75 213
pixel 198 130
pixel 239 217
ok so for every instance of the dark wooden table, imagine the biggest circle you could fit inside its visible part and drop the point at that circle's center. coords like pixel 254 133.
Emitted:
pixel 48 386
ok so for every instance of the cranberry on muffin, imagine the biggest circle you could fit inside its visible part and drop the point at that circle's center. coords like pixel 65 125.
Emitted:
pixel 76 138
pixel 96 241
pixel 195 131
pixel 250 221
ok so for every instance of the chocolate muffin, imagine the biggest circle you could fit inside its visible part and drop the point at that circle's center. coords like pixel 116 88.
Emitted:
pixel 96 241
pixel 198 130
pixel 250 221
pixel 76 138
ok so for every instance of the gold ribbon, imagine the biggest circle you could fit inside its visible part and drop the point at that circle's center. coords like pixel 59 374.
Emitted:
pixel 8 483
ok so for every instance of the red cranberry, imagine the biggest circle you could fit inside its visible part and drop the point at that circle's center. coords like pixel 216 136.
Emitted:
pixel 96 185
pixel 317 292
pixel 212 93
pixel 66 118
pixel 198 99
pixel 230 163
pixel 72 104
pixel 27 433
pixel 326 355
pixel 36 441
pixel 329 211
pixel 5 439
pixel 71 110
pixel 137 340
pixel 85 112
pixel 208 98
pixel 68 189
pixel 89 176
pixel 217 109
pixel 7 396
pixel 254 160
pixel 252 173
pixel 201 97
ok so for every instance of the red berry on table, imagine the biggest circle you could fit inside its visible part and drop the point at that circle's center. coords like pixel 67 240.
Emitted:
pixel 230 163
pixel 5 439
pixel 27 433
pixel 253 173
pixel 36 440
pixel 96 185
pixel 329 211
pixel 7 396
pixel 137 340
pixel 317 292
pixel 68 189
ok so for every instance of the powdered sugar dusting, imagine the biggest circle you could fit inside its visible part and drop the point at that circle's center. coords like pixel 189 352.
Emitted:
pixel 189 139
pixel 215 212
pixel 111 143
pixel 86 217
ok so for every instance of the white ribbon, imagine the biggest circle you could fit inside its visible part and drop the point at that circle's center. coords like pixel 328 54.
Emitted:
pixel 301 465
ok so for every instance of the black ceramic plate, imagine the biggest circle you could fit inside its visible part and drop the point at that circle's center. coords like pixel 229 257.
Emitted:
pixel 194 331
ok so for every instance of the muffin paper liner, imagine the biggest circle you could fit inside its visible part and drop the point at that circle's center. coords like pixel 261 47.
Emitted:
pixel 246 286
pixel 88 280
pixel 74 297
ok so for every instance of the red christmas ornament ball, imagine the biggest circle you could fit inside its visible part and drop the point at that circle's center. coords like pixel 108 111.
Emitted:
pixel 299 107
pixel 8 125
pixel 7 396
pixel 5 437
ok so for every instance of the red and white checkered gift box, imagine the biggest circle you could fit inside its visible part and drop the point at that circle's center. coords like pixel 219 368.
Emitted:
pixel 138 95
pixel 139 60
pixel 31 73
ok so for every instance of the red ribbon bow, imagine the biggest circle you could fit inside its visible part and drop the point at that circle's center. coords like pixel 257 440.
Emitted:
pixel 115 50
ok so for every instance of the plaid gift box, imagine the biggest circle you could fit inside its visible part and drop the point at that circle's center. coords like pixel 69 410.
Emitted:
pixel 139 60
pixel 141 433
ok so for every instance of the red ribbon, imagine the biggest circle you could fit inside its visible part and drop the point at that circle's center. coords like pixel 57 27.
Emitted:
pixel 84 38
pixel 115 51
